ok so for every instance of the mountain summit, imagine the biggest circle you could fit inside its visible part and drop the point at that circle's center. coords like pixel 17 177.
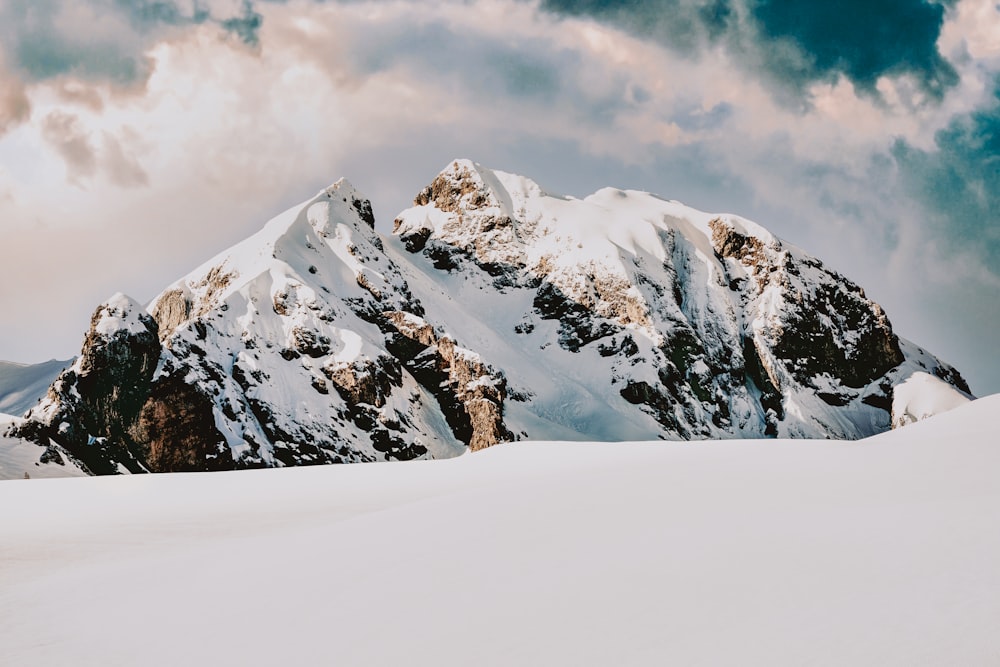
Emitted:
pixel 496 311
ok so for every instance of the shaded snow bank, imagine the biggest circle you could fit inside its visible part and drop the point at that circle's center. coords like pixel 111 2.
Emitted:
pixel 923 395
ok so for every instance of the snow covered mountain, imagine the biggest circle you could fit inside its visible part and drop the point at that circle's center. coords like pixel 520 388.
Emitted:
pixel 495 312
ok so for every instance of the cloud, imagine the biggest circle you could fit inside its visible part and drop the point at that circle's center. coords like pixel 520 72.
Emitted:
pixel 681 24
pixel 85 158
pixel 861 39
pixel 67 136
pixel 972 31
pixel 794 44
pixel 245 25
pixel 122 166
pixel 78 93
pixel 15 107
pixel 106 40
pixel 47 38
pixel 958 182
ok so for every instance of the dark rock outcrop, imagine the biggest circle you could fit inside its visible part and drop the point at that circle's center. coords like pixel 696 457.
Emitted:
pixel 109 413
pixel 176 429
pixel 93 408
pixel 826 323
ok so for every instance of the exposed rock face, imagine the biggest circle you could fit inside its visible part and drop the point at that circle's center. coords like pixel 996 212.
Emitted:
pixel 116 364
pixel 470 392
pixel 365 381
pixel 496 312
pixel 173 308
pixel 176 430
pixel 746 249
pixel 479 388
pixel 108 412
pixel 93 407
pixel 824 323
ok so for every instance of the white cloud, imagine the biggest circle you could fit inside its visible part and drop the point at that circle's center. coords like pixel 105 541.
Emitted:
pixel 973 27
pixel 222 135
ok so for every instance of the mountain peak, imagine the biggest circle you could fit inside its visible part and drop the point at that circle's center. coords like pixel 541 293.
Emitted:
pixel 462 185
pixel 356 202
pixel 120 312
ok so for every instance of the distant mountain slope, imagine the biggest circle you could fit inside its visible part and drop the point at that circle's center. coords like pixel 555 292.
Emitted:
pixel 23 385
pixel 497 311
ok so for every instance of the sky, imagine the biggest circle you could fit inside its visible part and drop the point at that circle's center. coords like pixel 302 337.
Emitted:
pixel 139 138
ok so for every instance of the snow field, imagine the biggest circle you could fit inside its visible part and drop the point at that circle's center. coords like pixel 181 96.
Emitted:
pixel 881 551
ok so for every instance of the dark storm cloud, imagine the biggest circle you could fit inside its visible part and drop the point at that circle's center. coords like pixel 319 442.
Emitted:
pixel 99 40
pixel 959 183
pixel 149 14
pixel 245 25
pixel 38 48
pixel 862 39
pixel 685 25
pixel 794 43
pixel 42 58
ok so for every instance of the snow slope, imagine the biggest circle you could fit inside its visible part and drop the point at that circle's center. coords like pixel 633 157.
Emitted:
pixel 19 457
pixel 23 385
pixel 766 552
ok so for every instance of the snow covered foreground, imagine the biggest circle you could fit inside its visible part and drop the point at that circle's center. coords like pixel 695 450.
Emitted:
pixel 878 552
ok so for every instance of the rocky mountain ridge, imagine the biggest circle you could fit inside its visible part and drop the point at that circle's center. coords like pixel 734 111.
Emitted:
pixel 495 311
